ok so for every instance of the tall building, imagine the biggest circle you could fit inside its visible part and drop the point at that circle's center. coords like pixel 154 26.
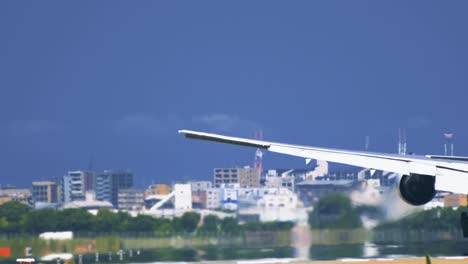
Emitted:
pixel 246 177
pixel 59 182
pixel 103 187
pixel 108 184
pixel 45 192
pixel 249 177
pixel 222 176
pixel 88 180
pixel 74 186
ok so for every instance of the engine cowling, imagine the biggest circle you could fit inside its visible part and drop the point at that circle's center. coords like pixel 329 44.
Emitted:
pixel 417 189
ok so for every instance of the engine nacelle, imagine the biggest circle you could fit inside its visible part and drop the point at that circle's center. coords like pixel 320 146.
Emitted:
pixel 417 189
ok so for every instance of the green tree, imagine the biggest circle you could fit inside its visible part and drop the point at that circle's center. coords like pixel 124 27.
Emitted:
pixel 3 224
pixel 210 224
pixel 189 221
pixel 39 221
pixel 229 225
pixel 14 213
pixel 75 220
pixel 106 221
pixel 142 223
pixel 164 227
pixel 334 211
pixel 445 218
pixel 268 226
pixel 125 222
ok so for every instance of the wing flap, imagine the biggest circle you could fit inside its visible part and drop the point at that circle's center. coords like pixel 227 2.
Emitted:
pixel 452 158
pixel 451 181
pixel 371 162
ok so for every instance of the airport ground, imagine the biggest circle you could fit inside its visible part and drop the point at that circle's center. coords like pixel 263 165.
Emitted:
pixel 399 261
pixel 420 260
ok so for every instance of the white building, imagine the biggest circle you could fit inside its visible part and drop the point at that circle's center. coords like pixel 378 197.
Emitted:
pixel 89 203
pixel 182 197
pixel 284 180
pixel 274 204
pixel 213 198
pixel 229 196
pixel 281 198
pixel 232 197
pixel 200 186
pixel 252 192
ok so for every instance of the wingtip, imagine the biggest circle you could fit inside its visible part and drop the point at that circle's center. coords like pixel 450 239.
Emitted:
pixel 187 132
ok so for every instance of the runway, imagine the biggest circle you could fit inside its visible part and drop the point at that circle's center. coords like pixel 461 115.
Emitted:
pixel 451 260
pixel 415 260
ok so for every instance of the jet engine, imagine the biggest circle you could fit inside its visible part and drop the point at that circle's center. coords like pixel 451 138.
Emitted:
pixel 417 189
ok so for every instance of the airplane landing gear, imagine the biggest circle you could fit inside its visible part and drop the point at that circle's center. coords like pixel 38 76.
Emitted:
pixel 464 223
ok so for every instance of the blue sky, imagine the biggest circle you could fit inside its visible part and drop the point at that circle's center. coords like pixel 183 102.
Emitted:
pixel 113 81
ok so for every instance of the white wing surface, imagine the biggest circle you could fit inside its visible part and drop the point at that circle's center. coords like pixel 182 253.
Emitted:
pixel 451 175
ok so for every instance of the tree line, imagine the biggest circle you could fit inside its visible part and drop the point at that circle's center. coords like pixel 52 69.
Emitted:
pixel 16 218
pixel 335 211
pixel 440 218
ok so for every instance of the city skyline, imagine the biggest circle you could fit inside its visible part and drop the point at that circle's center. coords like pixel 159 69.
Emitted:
pixel 112 83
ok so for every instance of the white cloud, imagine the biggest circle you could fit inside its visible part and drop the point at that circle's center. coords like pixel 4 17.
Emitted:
pixel 146 124
pixel 138 123
pixel 225 122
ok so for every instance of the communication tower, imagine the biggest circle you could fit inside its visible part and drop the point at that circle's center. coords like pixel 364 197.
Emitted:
pixel 258 164
pixel 448 143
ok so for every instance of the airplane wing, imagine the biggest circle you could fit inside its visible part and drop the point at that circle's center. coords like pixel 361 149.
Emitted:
pixel 451 174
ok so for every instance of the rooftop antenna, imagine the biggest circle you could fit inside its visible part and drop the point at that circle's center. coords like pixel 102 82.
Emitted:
pixel 91 163
pixel 401 141
pixel 404 142
pixel 448 143
pixel 366 146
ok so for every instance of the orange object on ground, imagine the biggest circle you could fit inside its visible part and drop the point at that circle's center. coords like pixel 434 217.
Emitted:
pixel 5 252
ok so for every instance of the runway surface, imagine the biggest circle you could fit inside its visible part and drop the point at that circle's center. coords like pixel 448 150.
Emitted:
pixel 419 260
